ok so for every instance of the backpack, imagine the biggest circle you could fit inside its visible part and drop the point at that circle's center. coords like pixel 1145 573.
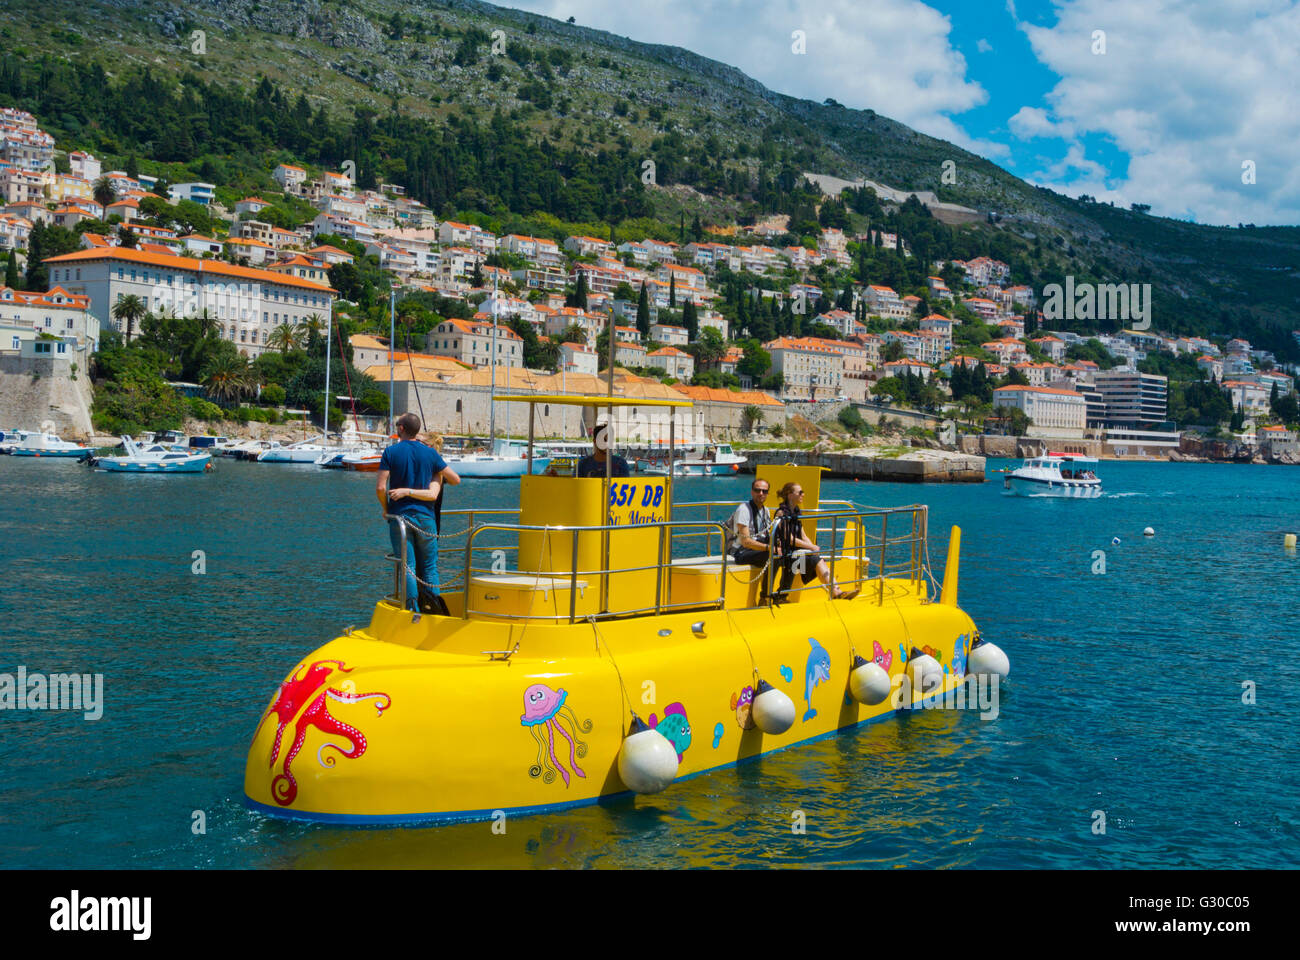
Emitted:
pixel 732 529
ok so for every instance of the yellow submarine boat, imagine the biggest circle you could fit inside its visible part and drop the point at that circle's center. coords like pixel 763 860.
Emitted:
pixel 601 642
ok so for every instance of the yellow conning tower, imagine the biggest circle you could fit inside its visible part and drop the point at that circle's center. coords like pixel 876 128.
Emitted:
pixel 600 641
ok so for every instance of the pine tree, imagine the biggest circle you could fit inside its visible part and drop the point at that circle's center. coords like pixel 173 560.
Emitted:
pixel 643 313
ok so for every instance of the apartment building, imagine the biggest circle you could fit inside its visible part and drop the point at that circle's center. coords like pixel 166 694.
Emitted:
pixel 471 341
pixel 809 368
pixel 1052 411
pixel 248 303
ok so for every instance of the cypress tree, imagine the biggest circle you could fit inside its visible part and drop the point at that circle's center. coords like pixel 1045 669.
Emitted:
pixel 11 271
pixel 672 291
pixel 691 321
pixel 643 313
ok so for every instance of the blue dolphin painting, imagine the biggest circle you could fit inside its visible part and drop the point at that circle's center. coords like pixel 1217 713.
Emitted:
pixel 817 671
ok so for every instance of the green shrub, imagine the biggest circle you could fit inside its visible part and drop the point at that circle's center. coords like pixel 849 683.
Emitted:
pixel 273 394
pixel 201 409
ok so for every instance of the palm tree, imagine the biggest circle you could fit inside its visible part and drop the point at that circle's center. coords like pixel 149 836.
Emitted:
pixel 129 309
pixel 207 323
pixel 226 377
pixel 104 192
pixel 751 416
pixel 285 337
pixel 313 326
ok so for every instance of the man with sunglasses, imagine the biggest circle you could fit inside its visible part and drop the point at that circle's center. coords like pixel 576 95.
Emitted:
pixel 752 525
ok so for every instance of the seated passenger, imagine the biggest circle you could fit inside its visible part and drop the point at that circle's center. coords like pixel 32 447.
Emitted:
pixel 787 537
pixel 749 528
pixel 594 464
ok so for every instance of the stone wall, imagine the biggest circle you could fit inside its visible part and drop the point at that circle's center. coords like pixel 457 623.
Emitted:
pixel 40 391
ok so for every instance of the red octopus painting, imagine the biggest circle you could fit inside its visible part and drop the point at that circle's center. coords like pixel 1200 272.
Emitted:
pixel 294 693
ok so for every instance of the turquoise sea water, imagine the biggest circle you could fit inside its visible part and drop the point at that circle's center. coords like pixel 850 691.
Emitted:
pixel 1125 694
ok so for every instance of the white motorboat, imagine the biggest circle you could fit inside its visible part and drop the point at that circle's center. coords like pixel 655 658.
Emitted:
pixel 1055 475
pixel 34 443
pixel 696 460
pixel 303 451
pixel 155 458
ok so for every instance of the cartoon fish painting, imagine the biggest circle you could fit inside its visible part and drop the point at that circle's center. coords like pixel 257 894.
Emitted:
pixel 675 727
pixel 817 671
pixel 884 658
pixel 959 651
pixel 742 704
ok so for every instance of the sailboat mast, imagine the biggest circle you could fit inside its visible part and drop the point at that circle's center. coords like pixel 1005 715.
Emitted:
pixel 492 361
pixel 329 329
pixel 392 345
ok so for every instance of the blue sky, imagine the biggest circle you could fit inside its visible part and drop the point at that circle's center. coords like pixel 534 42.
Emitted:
pixel 1186 105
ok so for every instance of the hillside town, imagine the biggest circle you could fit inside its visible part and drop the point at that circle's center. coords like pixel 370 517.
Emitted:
pixel 969 346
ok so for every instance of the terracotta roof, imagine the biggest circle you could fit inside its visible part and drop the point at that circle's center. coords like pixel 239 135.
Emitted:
pixel 1021 388
pixel 217 267
pixel 715 395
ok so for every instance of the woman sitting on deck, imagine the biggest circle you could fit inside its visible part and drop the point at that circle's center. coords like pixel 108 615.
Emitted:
pixel 787 537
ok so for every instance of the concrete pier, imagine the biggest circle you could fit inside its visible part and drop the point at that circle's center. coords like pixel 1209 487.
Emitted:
pixel 887 464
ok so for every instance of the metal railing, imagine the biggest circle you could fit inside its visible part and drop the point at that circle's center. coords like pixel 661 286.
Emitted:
pixel 900 555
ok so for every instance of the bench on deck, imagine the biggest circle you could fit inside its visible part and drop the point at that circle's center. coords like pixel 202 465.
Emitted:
pixel 523 594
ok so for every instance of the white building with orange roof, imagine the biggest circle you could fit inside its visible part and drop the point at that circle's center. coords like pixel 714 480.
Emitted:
pixel 1211 366
pixel 1013 327
pixel 884 302
pixel 810 370
pixel 304 267
pixel 289 177
pixel 630 354
pixel 248 303
pixel 1007 350
pixel 14 232
pixel 938 287
pixel 659 250
pixel 1253 398
pixel 1038 374
pixel 900 368
pixel 255 252
pixel 26 315
pixel 561 319
pixel 1052 346
pixel 982 307
pixel 84 165
pixel 1276 440
pixel 471 342
pixel 251 206
pixel 1052 411
pixel 674 361
pixel 580 358
pixel 839 320
pixel 69 215
pixel 584 246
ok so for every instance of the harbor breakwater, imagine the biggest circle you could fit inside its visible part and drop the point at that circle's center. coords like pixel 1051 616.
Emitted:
pixel 887 464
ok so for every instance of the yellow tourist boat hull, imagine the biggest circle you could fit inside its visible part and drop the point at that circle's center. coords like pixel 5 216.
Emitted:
pixel 427 718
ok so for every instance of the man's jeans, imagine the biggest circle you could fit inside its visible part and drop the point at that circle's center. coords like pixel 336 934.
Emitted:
pixel 421 554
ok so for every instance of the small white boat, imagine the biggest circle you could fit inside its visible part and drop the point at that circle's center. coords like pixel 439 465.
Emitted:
pixel 488 466
pixel 34 443
pixel 1055 475
pixel 155 458
pixel 695 460
pixel 304 451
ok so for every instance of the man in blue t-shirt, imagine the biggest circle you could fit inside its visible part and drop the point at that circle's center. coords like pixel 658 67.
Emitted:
pixel 411 476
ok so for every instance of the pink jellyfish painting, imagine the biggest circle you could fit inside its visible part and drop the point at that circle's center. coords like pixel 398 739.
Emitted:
pixel 544 710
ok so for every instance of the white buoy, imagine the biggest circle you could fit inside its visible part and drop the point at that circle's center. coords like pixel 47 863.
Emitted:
pixel 868 682
pixel 647 760
pixel 1288 541
pixel 987 659
pixel 1148 532
pixel 923 671
pixel 772 711
pixel 1115 541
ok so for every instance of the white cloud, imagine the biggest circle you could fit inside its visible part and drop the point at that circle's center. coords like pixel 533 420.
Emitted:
pixel 893 56
pixel 983 46
pixel 1188 89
